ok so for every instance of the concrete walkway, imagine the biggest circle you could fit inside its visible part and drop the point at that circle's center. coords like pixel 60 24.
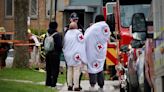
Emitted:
pixel 108 87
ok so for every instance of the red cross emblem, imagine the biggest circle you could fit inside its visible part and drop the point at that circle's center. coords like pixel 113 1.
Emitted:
pixel 99 46
pixel 80 37
pixel 96 65
pixel 106 31
pixel 77 57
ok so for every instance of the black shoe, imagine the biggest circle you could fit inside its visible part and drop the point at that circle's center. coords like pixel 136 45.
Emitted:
pixel 80 88
pixel 76 89
pixel 61 73
pixel 70 88
pixel 36 68
pixel 53 85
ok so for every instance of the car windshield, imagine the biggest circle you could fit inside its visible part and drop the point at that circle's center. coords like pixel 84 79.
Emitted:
pixel 127 12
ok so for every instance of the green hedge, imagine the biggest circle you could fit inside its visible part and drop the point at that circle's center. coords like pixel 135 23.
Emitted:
pixel 38 31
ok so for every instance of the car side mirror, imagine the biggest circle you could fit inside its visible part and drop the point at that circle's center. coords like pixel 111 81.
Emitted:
pixel 139 26
pixel 139 23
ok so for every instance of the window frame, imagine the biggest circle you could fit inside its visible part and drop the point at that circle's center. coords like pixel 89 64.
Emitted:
pixel 12 14
pixel 30 10
pixel 48 8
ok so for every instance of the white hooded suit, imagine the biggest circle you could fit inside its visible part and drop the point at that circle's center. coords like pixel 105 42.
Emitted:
pixel 74 48
pixel 96 38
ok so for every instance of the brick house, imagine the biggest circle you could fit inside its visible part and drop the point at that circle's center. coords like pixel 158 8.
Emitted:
pixel 39 12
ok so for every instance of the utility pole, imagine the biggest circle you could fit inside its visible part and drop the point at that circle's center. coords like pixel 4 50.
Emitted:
pixel 51 5
pixel 55 9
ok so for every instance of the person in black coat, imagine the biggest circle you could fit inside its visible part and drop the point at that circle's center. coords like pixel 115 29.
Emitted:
pixel 53 57
pixel 4 48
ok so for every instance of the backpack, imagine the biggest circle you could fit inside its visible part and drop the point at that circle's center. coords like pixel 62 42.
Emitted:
pixel 49 42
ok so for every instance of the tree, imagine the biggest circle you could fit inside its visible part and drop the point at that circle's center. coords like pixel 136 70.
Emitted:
pixel 21 57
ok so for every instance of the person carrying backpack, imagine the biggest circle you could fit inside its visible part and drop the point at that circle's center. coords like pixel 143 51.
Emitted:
pixel 52 54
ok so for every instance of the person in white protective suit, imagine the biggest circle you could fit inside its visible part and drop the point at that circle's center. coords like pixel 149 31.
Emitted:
pixel 96 38
pixel 75 55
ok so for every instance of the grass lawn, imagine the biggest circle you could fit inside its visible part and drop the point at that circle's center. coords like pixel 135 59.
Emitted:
pixel 8 86
pixel 25 74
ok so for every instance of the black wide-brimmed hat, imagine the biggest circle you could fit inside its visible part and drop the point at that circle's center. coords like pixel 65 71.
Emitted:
pixel 74 16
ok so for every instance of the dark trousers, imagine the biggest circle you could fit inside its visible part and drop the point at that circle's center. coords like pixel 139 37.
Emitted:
pixel 81 74
pixel 98 77
pixel 52 68
pixel 2 60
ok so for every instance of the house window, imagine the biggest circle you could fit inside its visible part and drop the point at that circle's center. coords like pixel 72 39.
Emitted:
pixel 9 8
pixel 33 8
pixel 48 7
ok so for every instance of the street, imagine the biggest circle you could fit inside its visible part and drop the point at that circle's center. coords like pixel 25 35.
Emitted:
pixel 110 86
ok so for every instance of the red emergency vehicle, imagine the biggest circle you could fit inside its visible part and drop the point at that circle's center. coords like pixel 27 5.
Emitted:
pixel 118 14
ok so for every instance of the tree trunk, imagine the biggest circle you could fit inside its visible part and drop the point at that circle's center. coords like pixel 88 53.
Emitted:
pixel 21 56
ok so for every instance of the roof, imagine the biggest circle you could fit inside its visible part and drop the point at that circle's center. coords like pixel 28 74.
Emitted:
pixel 131 2
pixel 85 8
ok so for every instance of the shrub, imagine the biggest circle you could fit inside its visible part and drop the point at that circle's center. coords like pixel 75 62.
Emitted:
pixel 38 31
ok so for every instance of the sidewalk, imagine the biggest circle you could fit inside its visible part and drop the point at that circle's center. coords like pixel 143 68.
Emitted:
pixel 108 87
